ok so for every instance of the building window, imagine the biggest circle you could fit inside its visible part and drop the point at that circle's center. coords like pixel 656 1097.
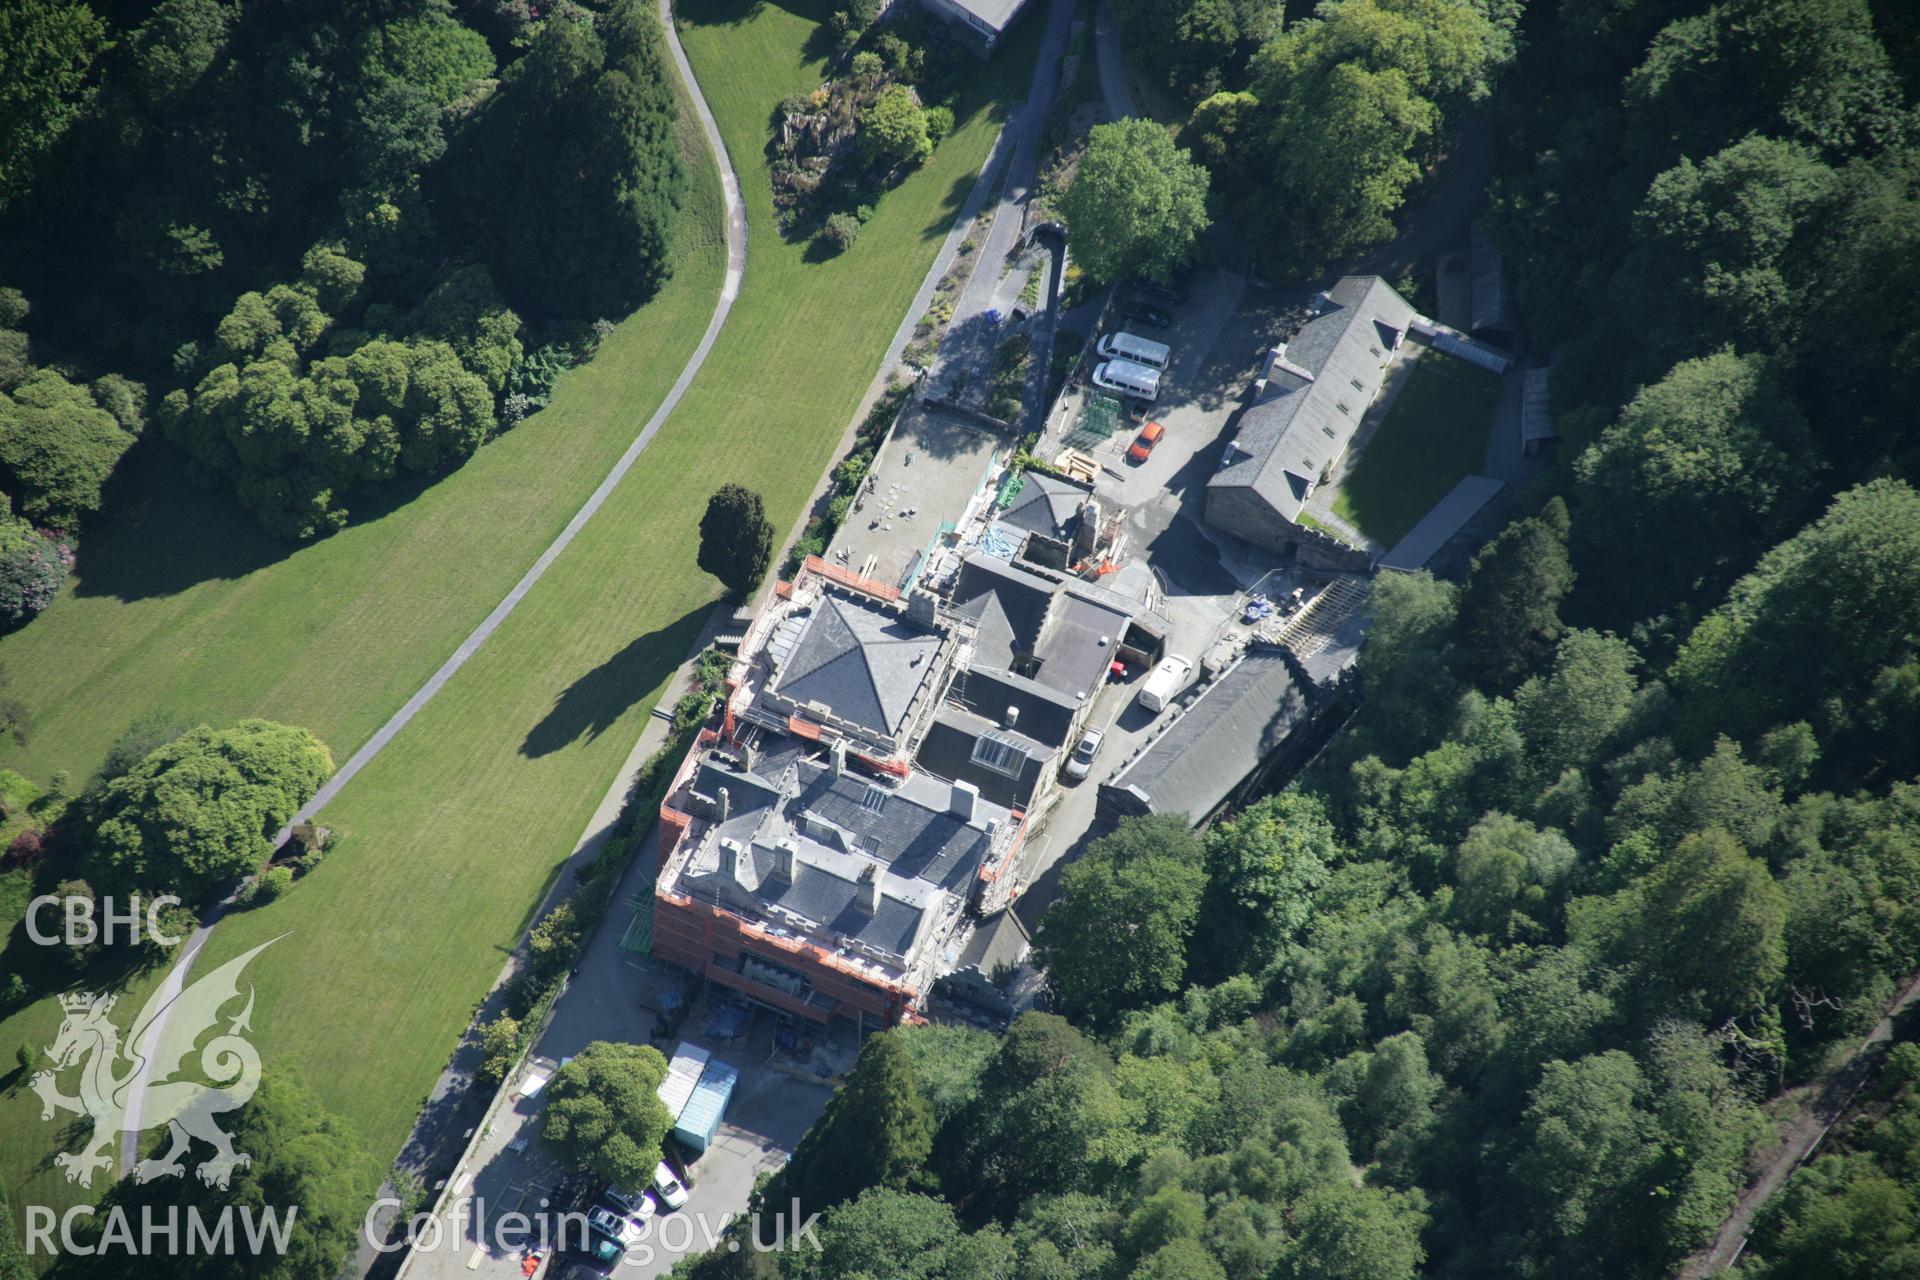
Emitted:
pixel 1344 409
pixel 997 752
pixel 873 799
pixel 1331 435
pixel 1358 385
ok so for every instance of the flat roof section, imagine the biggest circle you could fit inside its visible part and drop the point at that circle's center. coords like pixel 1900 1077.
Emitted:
pixel 928 469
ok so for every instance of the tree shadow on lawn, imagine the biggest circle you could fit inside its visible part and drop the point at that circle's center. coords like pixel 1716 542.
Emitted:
pixel 163 532
pixel 730 13
pixel 592 704
pixel 950 206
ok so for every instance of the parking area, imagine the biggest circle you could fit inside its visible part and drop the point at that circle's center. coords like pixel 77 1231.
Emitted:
pixel 619 994
pixel 1218 336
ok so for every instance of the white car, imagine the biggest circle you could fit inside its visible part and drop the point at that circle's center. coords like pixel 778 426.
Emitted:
pixel 668 1187
pixel 611 1235
pixel 1080 763
pixel 635 1206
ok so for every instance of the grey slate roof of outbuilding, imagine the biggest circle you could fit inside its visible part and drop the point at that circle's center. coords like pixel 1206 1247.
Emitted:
pixel 1211 747
pixel 1000 941
pixel 995 13
pixel 1311 405
pixel 863 662
pixel 1492 299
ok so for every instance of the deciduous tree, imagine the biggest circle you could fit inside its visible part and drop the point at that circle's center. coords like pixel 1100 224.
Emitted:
pixel 1117 937
pixel 603 1112
pixel 1137 203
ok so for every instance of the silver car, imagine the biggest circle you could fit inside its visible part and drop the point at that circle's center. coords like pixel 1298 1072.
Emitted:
pixel 1080 763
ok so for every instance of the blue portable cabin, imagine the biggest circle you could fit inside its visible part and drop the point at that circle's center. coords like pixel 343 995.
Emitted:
pixel 700 1118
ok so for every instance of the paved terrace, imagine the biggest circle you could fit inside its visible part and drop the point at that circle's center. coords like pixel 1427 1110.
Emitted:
pixel 931 468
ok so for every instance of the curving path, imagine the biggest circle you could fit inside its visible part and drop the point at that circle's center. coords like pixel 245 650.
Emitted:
pixel 736 219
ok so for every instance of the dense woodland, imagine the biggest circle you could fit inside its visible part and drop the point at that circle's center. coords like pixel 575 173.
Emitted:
pixel 311 245
pixel 1624 838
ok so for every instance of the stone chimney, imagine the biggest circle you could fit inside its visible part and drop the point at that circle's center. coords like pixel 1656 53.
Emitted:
pixel 726 807
pixel 783 860
pixel 838 754
pixel 867 890
pixel 1086 531
pixel 920 607
pixel 965 795
pixel 746 758
pixel 730 860
pixel 1013 717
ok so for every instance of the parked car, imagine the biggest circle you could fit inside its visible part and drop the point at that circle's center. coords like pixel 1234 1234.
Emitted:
pixel 1159 290
pixel 636 1205
pixel 668 1187
pixel 1145 313
pixel 1143 443
pixel 1080 763
pixel 610 1235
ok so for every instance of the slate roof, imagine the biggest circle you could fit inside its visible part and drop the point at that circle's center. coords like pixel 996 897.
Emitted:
pixel 1311 406
pixel 1235 723
pixel 838 826
pixel 1492 299
pixel 1001 940
pixel 1536 406
pixel 864 663
pixel 996 14
pixel 1010 605
pixel 1046 504
pixel 1022 617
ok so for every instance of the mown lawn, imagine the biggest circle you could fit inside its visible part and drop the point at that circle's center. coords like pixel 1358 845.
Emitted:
pixel 180 602
pixel 1434 433
pixel 451 834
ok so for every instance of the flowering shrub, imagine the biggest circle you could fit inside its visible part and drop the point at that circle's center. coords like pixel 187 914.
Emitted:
pixel 33 564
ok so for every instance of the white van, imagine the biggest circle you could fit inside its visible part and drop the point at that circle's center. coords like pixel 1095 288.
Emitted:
pixel 1165 683
pixel 1128 378
pixel 1130 346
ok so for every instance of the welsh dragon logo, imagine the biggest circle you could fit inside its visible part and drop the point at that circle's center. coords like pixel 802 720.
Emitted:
pixel 133 1087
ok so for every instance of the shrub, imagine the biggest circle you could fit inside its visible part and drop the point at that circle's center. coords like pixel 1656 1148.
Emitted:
pixel 554 942
pixel 499 1046
pixel 31 572
pixel 838 508
pixel 26 849
pixel 939 123
pixel 841 230
pixel 266 886
pixel 848 475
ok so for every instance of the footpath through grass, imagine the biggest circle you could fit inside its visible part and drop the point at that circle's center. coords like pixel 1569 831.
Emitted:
pixel 181 602
pixel 1434 433
pixel 452 833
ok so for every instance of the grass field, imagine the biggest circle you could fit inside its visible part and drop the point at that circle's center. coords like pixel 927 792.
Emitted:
pixel 180 602
pixel 1434 433
pixel 450 835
